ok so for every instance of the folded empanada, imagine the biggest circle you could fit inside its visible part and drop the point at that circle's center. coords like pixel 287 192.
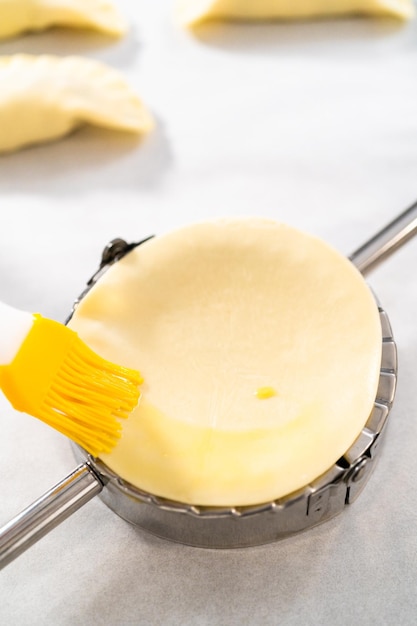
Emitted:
pixel 18 16
pixel 45 97
pixel 190 12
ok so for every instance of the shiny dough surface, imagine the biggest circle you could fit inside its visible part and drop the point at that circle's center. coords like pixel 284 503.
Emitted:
pixel 211 314
pixel 189 12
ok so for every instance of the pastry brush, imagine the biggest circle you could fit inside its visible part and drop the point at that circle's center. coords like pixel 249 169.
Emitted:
pixel 47 371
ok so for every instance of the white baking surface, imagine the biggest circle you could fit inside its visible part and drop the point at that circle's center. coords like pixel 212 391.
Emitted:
pixel 312 124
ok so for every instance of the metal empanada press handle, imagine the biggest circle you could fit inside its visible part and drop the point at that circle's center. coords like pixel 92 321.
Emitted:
pixel 86 481
pixel 386 241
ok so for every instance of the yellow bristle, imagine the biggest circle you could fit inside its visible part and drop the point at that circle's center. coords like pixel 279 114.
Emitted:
pixel 92 395
pixel 58 379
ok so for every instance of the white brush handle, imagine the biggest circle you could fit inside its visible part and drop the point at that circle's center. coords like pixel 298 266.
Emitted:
pixel 14 328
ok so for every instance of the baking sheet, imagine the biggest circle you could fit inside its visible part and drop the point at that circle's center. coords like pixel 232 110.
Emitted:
pixel 313 124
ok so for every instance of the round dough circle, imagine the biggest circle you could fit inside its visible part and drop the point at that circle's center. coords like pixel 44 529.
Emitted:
pixel 212 315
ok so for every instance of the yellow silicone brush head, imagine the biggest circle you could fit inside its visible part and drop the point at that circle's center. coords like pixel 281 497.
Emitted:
pixel 58 379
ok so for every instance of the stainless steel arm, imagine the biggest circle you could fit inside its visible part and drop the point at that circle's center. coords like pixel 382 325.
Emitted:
pixel 47 512
pixel 84 483
pixel 386 241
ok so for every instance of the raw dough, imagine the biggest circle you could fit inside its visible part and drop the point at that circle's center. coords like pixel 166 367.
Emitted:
pixel 45 97
pixel 17 16
pixel 190 12
pixel 212 313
